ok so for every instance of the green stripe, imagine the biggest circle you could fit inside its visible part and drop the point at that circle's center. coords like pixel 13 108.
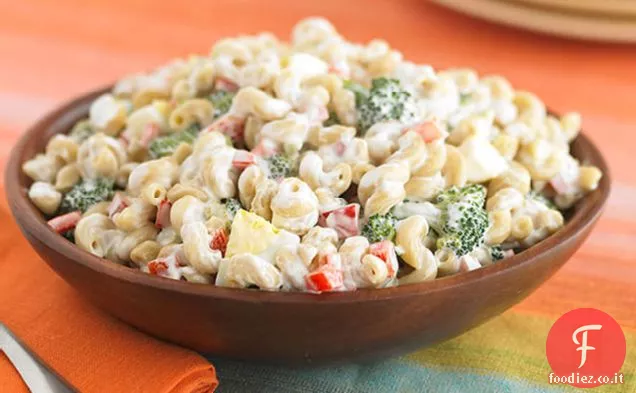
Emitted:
pixel 388 376
pixel 513 345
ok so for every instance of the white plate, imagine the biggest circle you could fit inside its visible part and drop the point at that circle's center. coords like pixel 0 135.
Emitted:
pixel 550 21
pixel 615 8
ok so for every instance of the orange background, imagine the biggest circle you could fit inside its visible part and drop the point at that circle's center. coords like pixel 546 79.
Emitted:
pixel 51 50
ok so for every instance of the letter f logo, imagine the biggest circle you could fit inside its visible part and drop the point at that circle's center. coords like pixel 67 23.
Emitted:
pixel 584 347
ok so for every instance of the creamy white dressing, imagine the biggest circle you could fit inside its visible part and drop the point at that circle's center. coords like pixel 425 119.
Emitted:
pixel 294 194
pixel 505 111
pixel 382 138
pixel 293 270
pixel 167 236
pixel 569 174
pixel 103 110
pixel 284 238
pixel 93 149
pixel 425 209
pixel 162 171
pixel 41 189
pixel 455 214
pixel 305 65
pixel 483 161
pixel 442 99
pixel 297 224
pixel 291 131
pixel 210 169
pixel 140 118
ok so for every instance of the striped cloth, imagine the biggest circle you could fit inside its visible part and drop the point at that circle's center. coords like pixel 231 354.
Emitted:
pixel 52 50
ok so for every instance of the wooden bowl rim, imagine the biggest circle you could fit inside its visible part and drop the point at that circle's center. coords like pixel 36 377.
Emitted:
pixel 31 221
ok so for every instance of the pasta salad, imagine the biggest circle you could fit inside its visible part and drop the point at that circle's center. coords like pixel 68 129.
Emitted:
pixel 315 165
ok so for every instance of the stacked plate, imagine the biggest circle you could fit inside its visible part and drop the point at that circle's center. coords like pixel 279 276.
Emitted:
pixel 601 20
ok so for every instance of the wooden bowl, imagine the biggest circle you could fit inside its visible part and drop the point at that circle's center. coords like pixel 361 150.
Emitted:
pixel 294 328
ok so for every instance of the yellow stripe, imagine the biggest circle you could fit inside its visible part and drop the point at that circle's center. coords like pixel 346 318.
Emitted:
pixel 513 345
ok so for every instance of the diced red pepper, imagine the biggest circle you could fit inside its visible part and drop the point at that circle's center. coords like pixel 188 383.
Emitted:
pixel 163 214
pixel 339 148
pixel 219 240
pixel 118 204
pixel 65 222
pixel 428 130
pixel 386 252
pixel 345 220
pixel 325 279
pixel 225 84
pixel 150 132
pixel 158 267
pixel 232 126
pixel 242 159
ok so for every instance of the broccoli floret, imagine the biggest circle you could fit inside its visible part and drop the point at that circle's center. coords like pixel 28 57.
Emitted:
pixel 463 221
pixel 387 100
pixel 86 194
pixel 496 253
pixel 222 101
pixel 358 90
pixel 69 235
pixel 224 209
pixel 232 205
pixel 537 196
pixel 81 131
pixel 280 166
pixel 166 145
pixel 332 120
pixel 380 227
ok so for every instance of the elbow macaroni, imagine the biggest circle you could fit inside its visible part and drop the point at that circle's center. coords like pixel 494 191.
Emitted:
pixel 45 197
pixel 197 197
pixel 410 238
pixel 100 156
pixel 294 207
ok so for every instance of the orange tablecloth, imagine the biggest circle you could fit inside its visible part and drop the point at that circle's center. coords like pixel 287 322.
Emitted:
pixel 51 50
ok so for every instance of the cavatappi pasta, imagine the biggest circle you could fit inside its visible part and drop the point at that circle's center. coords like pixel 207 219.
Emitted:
pixel 311 165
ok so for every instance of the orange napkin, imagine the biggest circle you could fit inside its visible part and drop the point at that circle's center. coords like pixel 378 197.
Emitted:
pixel 91 350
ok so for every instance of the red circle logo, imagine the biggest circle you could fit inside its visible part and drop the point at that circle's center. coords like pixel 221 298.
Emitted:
pixel 585 348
